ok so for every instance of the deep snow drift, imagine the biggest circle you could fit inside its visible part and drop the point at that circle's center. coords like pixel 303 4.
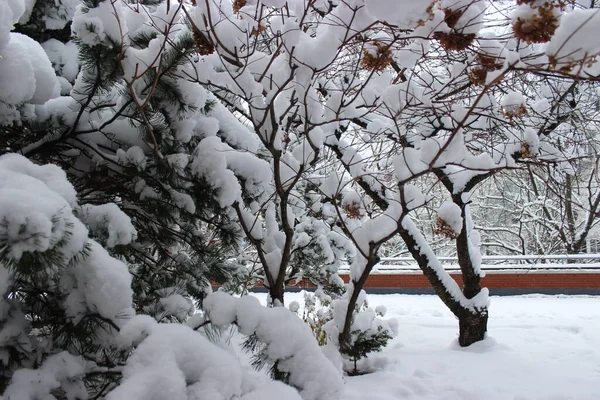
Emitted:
pixel 539 347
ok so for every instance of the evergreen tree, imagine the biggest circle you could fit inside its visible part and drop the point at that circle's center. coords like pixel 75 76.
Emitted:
pixel 127 131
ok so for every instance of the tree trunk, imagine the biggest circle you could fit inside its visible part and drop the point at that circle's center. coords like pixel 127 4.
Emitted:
pixel 472 328
pixel 344 336
pixel 472 325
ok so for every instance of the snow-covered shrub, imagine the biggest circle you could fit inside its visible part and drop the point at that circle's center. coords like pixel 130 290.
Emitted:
pixel 62 295
pixel 369 334
pixel 316 312
pixel 369 331
pixel 324 314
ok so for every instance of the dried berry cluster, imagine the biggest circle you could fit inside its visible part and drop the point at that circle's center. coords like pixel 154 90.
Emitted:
pixel 513 111
pixel 485 64
pixel 587 61
pixel 454 40
pixel 204 46
pixel 443 229
pixel 430 13
pixel 352 210
pixel 237 5
pixel 451 17
pixel 540 26
pixel 526 151
pixel 378 58
pixel 258 30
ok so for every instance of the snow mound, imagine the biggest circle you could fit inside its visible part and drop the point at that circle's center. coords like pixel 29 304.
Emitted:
pixel 288 340
pixel 175 362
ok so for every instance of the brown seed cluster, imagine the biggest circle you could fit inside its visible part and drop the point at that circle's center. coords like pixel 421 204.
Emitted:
pixel 451 17
pixel 568 67
pixel 378 58
pixel 478 73
pixel 430 13
pixel 443 229
pixel 237 5
pixel 540 26
pixel 204 45
pixel 352 210
pixel 513 111
pixel 526 151
pixel 257 31
pixel 454 40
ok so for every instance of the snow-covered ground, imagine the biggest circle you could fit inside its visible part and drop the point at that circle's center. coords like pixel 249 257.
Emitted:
pixel 539 347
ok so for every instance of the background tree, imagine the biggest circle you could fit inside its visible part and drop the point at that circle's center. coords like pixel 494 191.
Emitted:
pixel 273 64
pixel 552 208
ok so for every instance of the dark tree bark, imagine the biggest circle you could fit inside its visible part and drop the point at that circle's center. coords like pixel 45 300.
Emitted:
pixel 472 324
pixel 472 327
pixel 344 337
pixel 276 292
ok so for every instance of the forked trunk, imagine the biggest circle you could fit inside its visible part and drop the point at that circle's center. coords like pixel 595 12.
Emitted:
pixel 276 294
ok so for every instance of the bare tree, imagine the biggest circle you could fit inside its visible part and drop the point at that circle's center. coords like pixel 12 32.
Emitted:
pixel 474 100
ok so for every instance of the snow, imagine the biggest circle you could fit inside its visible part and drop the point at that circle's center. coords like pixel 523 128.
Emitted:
pixel 271 391
pixel 404 12
pixel 102 284
pixel 175 362
pixel 571 42
pixel 26 73
pixel 512 99
pixel 210 162
pixel 54 17
pixel 538 347
pixel 10 13
pixel 178 306
pixel 61 370
pixel 288 341
pixel 93 25
pixel 63 57
pixel 108 217
pixel 451 214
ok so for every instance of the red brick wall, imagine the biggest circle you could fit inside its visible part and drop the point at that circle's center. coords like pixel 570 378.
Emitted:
pixel 537 280
pixel 496 280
